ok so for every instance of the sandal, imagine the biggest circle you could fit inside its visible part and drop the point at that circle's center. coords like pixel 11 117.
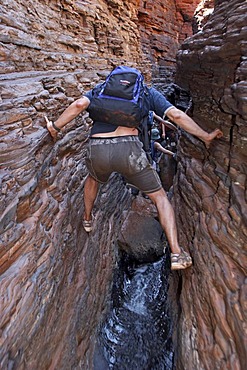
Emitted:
pixel 88 225
pixel 180 261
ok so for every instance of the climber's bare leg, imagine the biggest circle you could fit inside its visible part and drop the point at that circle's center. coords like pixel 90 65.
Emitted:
pixel 90 193
pixel 166 218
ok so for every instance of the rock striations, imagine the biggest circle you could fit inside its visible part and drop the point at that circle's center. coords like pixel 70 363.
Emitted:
pixel 210 193
pixel 54 279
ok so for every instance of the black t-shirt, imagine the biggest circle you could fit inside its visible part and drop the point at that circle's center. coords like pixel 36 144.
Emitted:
pixel 158 104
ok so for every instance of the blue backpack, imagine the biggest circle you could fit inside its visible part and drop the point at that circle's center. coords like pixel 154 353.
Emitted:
pixel 121 100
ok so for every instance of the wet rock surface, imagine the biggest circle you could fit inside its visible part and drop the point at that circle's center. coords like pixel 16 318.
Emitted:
pixel 141 235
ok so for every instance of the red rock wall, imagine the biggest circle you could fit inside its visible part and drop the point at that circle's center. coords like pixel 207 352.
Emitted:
pixel 211 194
pixel 54 280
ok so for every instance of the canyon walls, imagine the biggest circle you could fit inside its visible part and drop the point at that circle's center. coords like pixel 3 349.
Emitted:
pixel 54 279
pixel 210 193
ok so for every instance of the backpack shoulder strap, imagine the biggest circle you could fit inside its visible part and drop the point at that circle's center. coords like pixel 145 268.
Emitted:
pixel 145 134
pixel 96 90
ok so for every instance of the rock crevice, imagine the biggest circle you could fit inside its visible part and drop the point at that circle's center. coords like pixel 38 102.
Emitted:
pixel 54 279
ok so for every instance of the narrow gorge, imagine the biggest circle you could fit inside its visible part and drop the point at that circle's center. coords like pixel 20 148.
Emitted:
pixel 55 280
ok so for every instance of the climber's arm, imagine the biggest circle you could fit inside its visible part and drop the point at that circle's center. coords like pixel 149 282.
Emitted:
pixel 187 123
pixel 72 111
pixel 159 147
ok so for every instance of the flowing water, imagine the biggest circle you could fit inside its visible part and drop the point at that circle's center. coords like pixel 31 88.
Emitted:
pixel 136 334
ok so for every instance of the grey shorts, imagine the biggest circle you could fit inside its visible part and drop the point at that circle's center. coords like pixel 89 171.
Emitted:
pixel 124 155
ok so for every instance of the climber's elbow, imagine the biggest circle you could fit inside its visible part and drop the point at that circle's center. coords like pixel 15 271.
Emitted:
pixel 175 115
pixel 82 103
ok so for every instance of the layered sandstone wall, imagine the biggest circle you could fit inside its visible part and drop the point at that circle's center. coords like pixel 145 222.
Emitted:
pixel 211 194
pixel 54 280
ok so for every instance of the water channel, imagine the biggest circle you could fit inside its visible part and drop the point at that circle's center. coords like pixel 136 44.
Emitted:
pixel 137 332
